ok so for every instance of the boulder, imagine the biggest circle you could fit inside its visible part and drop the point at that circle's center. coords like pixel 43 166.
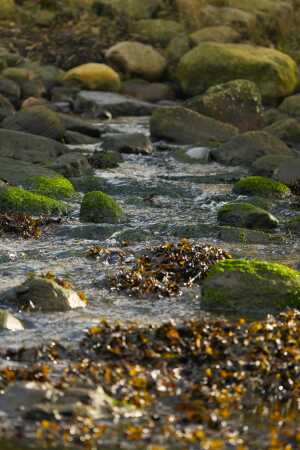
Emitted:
pixel 210 63
pixel 245 236
pixel 237 102
pixel 37 120
pixel 272 115
pixel 93 76
pixel 105 104
pixel 156 31
pixel 130 9
pixel 246 215
pixel 288 130
pixel 72 123
pixel 288 172
pixel 183 126
pixel 134 143
pixel 175 50
pixel 261 186
pixel 73 164
pixel 78 139
pixel 99 207
pixel 17 172
pixel 43 294
pixel 293 225
pixel 135 58
pixel 6 108
pixel 221 33
pixel 105 159
pixel 266 165
pixel 8 9
pixel 54 187
pixel 291 106
pixel 9 322
pixel 10 89
pixel 148 92
pixel 257 286
pixel 193 155
pixel 247 147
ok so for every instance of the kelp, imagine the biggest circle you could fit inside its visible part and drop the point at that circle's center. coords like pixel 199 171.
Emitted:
pixel 24 225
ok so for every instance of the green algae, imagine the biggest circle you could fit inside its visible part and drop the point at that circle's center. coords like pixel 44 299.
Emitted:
pixel 99 207
pixel 54 187
pixel 265 187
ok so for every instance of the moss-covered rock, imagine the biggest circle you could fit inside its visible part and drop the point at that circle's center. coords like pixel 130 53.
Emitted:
pixel 237 102
pixel 258 286
pixel 99 207
pixel 10 89
pixel 7 9
pixel 246 215
pixel 291 106
pixel 275 73
pixel 288 130
pixel 262 186
pixel 266 165
pixel 137 59
pixel 38 120
pixel 54 187
pixel 175 50
pixel 107 159
pixel 156 31
pixel 245 236
pixel 93 76
pixel 185 126
pixel 14 199
pixel 219 33
pixel 131 9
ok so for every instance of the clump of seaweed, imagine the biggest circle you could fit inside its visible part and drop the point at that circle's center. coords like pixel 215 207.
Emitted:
pixel 24 225
pixel 165 269
pixel 106 254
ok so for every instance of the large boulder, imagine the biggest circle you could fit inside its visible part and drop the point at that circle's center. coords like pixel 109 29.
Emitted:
pixel 183 126
pixel 210 63
pixel 257 286
pixel 134 58
pixel 237 102
pixel 246 215
pixel 156 31
pixel 94 76
pixel 247 147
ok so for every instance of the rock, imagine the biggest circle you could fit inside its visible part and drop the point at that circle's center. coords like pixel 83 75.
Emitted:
pixel 183 126
pixel 37 120
pixel 134 58
pixel 10 89
pixel 94 77
pixel 9 322
pixel 293 225
pixel 246 215
pixel 15 199
pixel 8 9
pixel 73 164
pixel 130 9
pixel 219 33
pixel 288 172
pixel 79 139
pixel 17 172
pixel 266 165
pixel 156 31
pixel 247 147
pixel 88 183
pixel 291 106
pixel 193 155
pixel 236 102
pixel 176 48
pixel 98 207
pixel 28 147
pixel 288 130
pixel 54 187
pixel 72 123
pixel 134 143
pixel 106 159
pixel 264 187
pixel 106 104
pixel 208 64
pixel 43 294
pixel 6 108
pixel 244 285
pixel 245 236
pixel 148 92
pixel 272 115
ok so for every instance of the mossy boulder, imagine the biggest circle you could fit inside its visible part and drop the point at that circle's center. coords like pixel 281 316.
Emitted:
pixel 293 225
pixel 106 159
pixel 7 9
pixel 184 126
pixel 246 215
pixel 99 207
pixel 242 285
pixel 237 102
pixel 291 106
pixel 15 199
pixel 156 31
pixel 262 186
pixel 266 165
pixel 219 33
pixel 131 9
pixel 94 76
pixel 54 187
pixel 247 147
pixel 137 59
pixel 38 120
pixel 208 64
pixel 288 130
pixel 10 90
pixel 175 50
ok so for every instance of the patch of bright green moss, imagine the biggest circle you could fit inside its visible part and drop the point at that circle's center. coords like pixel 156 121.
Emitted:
pixel 56 187
pixel 14 199
pixel 99 207
pixel 265 187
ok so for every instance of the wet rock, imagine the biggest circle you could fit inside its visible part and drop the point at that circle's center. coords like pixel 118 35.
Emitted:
pixel 88 183
pixel 262 186
pixel 288 130
pixel 136 59
pixel 64 94
pixel 78 139
pixel 288 172
pixel 193 155
pixel 245 236
pixel 6 108
pixel 94 77
pixel 293 225
pixel 10 89
pixel 37 120
pixel 272 115
pixel 243 285
pixel 291 106
pixel 17 172
pixel 183 126
pixel 43 294
pixel 106 159
pixel 247 147
pixel 73 164
pixel 109 104
pixel 21 396
pixel 9 322
pixel 219 33
pixel 89 231
pixel 127 143
pixel 246 215
pixel 98 207
pixel 237 102
pixel 156 31
pixel 148 92
pixel 79 125
pixel 266 165
pixel 208 64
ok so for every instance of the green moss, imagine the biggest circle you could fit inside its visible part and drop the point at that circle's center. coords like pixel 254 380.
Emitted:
pixel 55 187
pixel 265 187
pixel 14 199
pixel 246 215
pixel 99 207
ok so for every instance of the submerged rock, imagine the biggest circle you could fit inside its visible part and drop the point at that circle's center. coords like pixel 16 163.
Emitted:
pixel 244 285
pixel 246 215
pixel 99 207
pixel 94 77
